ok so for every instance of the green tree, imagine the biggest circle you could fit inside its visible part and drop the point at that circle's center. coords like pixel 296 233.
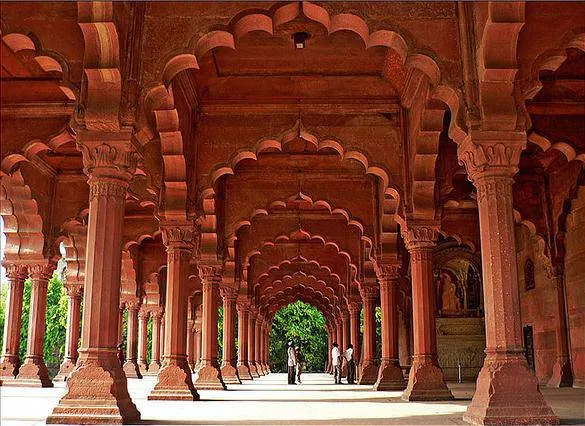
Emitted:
pixel 304 325
pixel 3 295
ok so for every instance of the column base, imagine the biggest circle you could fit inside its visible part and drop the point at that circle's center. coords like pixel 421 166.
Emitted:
pixel 562 376
pixel 254 370
pixel 142 368
pixel 132 370
pixel 244 372
pixel 33 373
pixel 507 393
pixel 390 376
pixel 209 377
pixel 97 393
pixel 369 373
pixel 229 374
pixel 426 381
pixel 9 367
pixel 260 369
pixel 174 383
pixel 153 368
pixel 67 367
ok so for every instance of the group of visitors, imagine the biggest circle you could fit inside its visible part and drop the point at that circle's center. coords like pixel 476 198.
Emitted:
pixel 295 363
pixel 337 360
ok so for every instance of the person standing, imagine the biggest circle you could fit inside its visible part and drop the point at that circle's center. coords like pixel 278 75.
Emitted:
pixel 120 354
pixel 336 362
pixel 291 362
pixel 300 360
pixel 350 364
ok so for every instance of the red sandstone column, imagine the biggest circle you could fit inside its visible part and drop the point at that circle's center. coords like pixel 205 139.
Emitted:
pixel 16 275
pixel 252 342
pixel 329 348
pixel 267 328
pixel 355 307
pixel 162 336
pixel 190 344
pixel 369 371
pixel 174 377
pixel 562 375
pixel 74 296
pixel 131 365
pixel 197 346
pixel 209 375
pixel 142 340
pixel 120 324
pixel 97 390
pixel 33 371
pixel 341 343
pixel 258 345
pixel 229 370
pixel 507 391
pixel 426 382
pixel 263 348
pixel 243 319
pixel 389 374
pixel 154 366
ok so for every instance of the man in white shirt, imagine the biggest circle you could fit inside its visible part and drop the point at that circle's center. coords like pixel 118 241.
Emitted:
pixel 291 362
pixel 350 364
pixel 336 362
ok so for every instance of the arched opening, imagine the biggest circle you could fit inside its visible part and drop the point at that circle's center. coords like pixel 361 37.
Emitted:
pixel 304 326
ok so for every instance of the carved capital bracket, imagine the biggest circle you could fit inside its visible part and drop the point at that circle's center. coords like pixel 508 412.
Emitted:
pixel 178 235
pixel 15 272
pixel 143 312
pixel 491 154
pixel 369 292
pixel 108 154
pixel 355 306
pixel 228 292
pixel 420 236
pixel 74 290
pixel 131 303
pixel 242 304
pixel 41 271
pixel 156 312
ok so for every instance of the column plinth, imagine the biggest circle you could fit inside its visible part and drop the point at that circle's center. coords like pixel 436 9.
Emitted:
pixel 243 366
pixel 425 381
pixel 209 375
pixel 229 369
pixel 131 365
pixel 16 275
pixel 507 391
pixel 154 366
pixel 97 390
pixel 390 375
pixel 174 377
pixel 369 368
pixel 74 296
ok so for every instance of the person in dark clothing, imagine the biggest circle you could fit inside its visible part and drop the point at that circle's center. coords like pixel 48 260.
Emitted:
pixel 121 357
pixel 300 361
pixel 292 363
pixel 350 364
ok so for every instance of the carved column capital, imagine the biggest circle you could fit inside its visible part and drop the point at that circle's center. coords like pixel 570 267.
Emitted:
pixel 355 307
pixel 108 154
pixel 253 312
pixel 178 236
pixel 132 303
pixel 157 313
pixel 420 236
pixel 242 304
pixel 492 153
pixel 368 292
pixel 15 272
pixel 228 293
pixel 143 312
pixel 74 290
pixel 388 272
pixel 41 271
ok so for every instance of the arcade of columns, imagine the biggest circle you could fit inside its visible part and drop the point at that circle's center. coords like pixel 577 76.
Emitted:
pixel 249 158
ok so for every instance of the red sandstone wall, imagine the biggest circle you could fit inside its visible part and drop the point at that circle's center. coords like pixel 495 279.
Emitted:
pixel 575 286
pixel 538 307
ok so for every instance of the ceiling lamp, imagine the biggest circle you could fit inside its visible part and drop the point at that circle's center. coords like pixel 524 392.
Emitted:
pixel 300 38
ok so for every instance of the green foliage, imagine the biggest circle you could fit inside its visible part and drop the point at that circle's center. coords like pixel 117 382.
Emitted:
pixel 378 316
pixel 220 333
pixel 3 295
pixel 304 325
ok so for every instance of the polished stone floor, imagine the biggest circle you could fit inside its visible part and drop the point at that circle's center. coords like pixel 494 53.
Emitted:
pixel 269 401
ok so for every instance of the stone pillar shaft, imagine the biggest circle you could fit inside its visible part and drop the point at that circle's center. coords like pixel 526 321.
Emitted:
pixel 426 381
pixel 354 327
pixel 562 375
pixel 369 370
pixel 507 391
pixel 252 344
pixel 190 344
pixel 131 365
pixel 97 390
pixel 154 365
pixel 174 377
pixel 389 374
pixel 243 364
pixel 229 371
pixel 209 375
pixel 74 296
pixel 13 321
pixel 258 346
pixel 142 340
